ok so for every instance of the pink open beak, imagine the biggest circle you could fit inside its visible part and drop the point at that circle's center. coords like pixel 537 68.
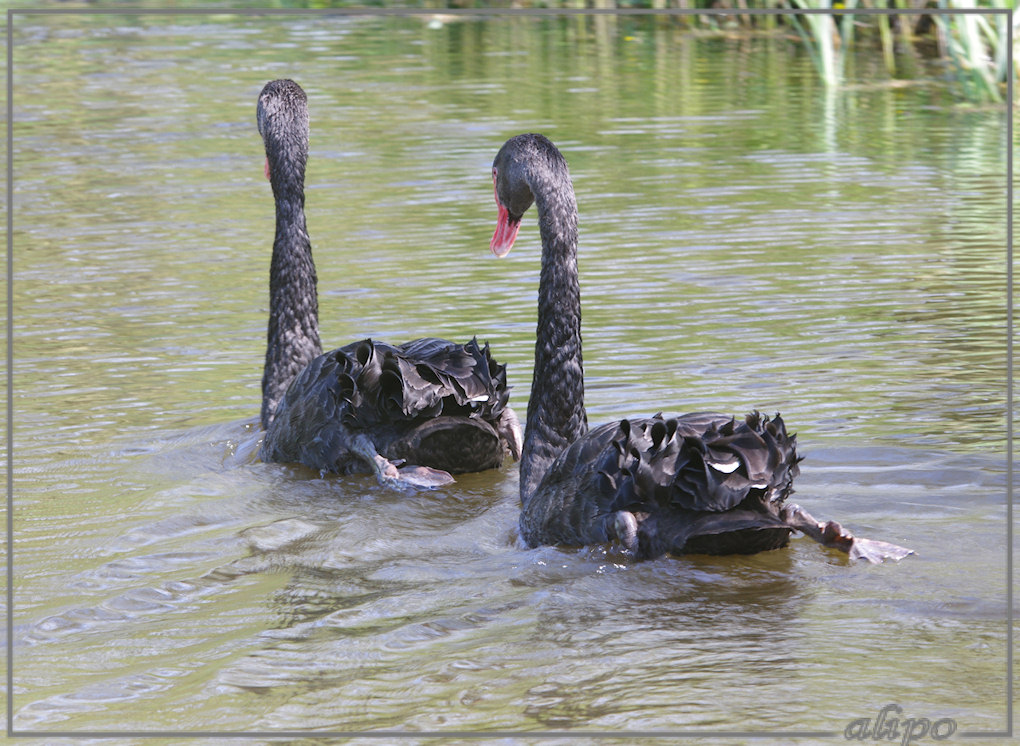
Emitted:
pixel 506 231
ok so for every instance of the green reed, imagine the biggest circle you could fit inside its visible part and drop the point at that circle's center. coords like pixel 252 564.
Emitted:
pixel 974 46
pixel 826 38
pixel 977 47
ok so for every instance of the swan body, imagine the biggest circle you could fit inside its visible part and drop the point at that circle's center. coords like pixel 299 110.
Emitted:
pixel 695 483
pixel 703 483
pixel 429 402
pixel 412 414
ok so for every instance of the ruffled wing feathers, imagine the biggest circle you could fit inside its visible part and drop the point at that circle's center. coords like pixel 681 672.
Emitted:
pixel 392 393
pixel 700 462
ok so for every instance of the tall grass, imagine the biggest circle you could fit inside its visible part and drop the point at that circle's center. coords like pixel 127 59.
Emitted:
pixel 826 38
pixel 974 45
pixel 977 46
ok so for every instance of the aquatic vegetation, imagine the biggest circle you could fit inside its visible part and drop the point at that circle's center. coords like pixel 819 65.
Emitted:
pixel 971 36
pixel 977 46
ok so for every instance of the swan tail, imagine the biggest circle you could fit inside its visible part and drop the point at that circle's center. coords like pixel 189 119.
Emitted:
pixel 689 532
pixel 454 444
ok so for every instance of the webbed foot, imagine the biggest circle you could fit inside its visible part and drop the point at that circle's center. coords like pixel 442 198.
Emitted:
pixel 832 534
pixel 877 551
pixel 418 477
pixel 404 478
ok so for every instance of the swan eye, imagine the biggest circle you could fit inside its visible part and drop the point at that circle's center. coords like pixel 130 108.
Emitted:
pixel 495 171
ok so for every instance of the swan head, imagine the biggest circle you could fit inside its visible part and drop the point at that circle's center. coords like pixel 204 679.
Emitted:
pixel 510 172
pixel 282 118
pixel 526 165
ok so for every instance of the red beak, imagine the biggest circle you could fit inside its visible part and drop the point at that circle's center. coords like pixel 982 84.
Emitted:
pixel 506 230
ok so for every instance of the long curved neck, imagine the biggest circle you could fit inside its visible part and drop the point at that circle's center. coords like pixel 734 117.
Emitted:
pixel 556 415
pixel 293 335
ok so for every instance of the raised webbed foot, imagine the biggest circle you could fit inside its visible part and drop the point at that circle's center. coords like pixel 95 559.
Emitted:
pixel 397 475
pixel 419 477
pixel 832 534
pixel 877 551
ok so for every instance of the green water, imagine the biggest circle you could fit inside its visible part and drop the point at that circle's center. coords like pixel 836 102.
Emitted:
pixel 748 240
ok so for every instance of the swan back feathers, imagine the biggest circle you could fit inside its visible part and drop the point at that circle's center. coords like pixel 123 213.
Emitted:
pixel 389 391
pixel 701 462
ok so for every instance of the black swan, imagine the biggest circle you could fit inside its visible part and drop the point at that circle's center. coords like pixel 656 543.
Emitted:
pixel 697 483
pixel 366 407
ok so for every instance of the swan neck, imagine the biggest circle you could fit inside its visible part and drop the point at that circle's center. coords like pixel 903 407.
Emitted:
pixel 293 333
pixel 556 414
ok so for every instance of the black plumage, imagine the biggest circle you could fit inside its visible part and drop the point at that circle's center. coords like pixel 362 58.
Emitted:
pixel 412 414
pixel 429 402
pixel 696 483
